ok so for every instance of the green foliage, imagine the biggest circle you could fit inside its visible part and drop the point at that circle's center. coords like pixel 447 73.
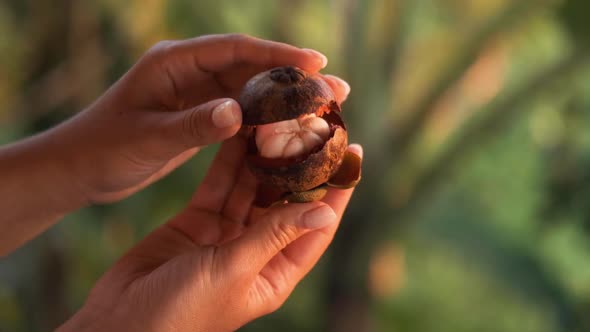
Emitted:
pixel 574 14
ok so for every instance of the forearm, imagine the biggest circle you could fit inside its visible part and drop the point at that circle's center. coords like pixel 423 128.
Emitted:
pixel 35 190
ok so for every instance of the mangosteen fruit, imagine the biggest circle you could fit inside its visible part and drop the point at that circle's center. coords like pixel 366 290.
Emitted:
pixel 297 140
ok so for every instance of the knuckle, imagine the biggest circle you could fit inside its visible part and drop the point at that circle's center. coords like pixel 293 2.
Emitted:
pixel 239 37
pixel 192 126
pixel 282 234
pixel 161 48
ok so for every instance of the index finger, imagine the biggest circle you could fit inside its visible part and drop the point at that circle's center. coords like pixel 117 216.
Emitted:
pixel 216 53
pixel 340 87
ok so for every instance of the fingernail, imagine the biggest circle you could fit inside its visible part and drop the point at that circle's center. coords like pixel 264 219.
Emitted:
pixel 226 115
pixel 319 218
pixel 356 148
pixel 322 58
pixel 341 82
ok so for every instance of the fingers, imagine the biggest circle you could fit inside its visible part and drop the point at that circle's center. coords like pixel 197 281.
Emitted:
pixel 201 220
pixel 288 267
pixel 221 176
pixel 238 205
pixel 278 228
pixel 339 86
pixel 218 66
pixel 201 227
pixel 202 125
pixel 168 134
pixel 216 53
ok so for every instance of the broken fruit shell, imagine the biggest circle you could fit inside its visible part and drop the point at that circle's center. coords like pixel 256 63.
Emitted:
pixel 288 93
pixel 349 173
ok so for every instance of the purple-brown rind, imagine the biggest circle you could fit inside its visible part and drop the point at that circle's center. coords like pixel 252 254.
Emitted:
pixel 283 93
pixel 287 93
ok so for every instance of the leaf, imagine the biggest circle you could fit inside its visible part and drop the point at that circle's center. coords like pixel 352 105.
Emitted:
pixel 574 16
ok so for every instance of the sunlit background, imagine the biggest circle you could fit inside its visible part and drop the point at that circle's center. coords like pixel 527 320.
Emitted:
pixel 474 210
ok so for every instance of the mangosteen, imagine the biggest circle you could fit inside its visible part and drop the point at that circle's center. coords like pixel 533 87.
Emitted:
pixel 297 140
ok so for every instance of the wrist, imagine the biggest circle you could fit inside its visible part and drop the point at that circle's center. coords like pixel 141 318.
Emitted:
pixel 36 191
pixel 63 153
pixel 50 172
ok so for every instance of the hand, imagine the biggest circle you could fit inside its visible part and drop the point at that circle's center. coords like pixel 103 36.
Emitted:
pixel 176 99
pixel 217 265
pixel 221 262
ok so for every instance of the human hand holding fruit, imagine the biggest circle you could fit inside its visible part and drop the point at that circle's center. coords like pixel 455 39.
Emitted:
pixel 178 98
pixel 222 261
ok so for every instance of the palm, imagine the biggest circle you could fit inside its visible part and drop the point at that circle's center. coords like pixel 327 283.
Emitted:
pixel 179 269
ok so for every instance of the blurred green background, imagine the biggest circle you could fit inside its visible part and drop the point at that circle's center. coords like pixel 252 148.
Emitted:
pixel 474 210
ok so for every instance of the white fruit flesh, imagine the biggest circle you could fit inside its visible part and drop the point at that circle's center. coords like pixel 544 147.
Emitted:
pixel 292 138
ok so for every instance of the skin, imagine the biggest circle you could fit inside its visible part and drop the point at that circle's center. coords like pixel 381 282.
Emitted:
pixel 219 263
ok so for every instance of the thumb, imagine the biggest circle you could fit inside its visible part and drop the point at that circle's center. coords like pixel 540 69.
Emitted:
pixel 204 124
pixel 280 226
